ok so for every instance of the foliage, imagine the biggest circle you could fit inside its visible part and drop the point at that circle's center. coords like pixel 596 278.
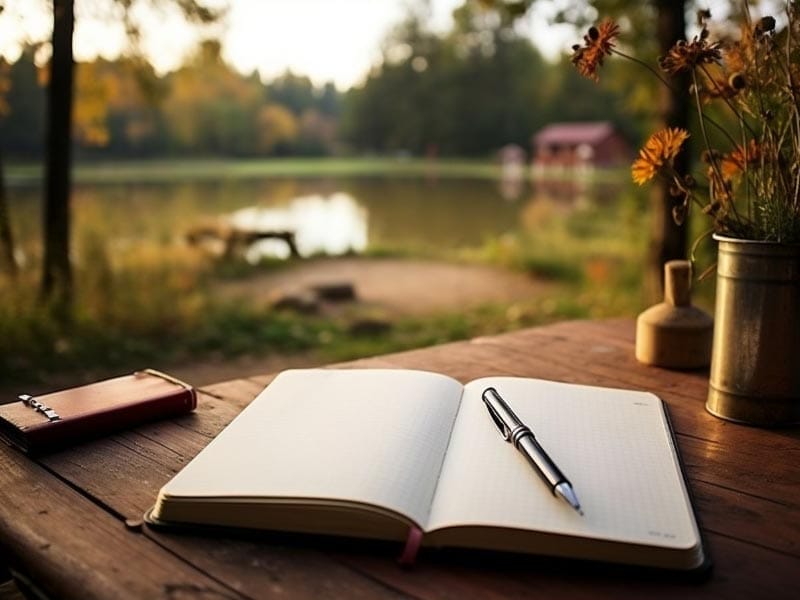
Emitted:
pixel 465 92
pixel 22 130
pixel 752 167
pixel 123 109
pixel 218 118
pixel 469 92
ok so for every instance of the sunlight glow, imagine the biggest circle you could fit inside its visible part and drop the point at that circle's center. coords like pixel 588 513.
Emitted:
pixel 331 225
pixel 328 41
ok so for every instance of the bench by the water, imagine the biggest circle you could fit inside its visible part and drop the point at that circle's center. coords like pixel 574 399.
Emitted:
pixel 71 521
pixel 235 240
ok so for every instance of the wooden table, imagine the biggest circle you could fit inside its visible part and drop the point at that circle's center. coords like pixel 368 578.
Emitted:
pixel 70 522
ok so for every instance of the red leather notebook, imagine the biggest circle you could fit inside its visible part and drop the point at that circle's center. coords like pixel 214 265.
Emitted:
pixel 78 414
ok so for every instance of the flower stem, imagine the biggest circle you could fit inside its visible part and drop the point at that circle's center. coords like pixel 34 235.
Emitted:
pixel 646 66
pixel 712 159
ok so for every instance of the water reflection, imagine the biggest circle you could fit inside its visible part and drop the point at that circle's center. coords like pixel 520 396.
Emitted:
pixel 330 225
pixel 383 214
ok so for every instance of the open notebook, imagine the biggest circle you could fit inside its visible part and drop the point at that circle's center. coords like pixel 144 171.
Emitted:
pixel 373 453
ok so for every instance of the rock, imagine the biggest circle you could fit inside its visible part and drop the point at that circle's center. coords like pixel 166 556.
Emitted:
pixel 302 302
pixel 335 292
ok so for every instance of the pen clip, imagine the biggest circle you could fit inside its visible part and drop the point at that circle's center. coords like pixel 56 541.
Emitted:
pixel 505 432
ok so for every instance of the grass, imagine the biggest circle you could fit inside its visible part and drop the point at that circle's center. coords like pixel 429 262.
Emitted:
pixel 144 312
pixel 161 170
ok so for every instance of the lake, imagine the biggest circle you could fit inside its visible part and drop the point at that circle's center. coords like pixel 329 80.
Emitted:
pixel 331 215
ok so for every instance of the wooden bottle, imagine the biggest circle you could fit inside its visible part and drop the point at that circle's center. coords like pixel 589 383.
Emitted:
pixel 675 334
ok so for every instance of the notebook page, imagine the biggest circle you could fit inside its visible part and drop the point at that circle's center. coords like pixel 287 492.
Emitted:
pixel 376 436
pixel 613 445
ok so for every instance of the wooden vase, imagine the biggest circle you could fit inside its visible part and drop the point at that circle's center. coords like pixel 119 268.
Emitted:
pixel 674 334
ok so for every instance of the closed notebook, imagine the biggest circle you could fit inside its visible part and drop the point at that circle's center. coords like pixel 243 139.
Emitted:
pixel 36 424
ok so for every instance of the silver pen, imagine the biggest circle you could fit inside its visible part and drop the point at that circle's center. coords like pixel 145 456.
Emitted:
pixel 521 437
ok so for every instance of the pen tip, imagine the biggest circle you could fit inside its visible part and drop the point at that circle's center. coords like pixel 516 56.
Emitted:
pixel 564 489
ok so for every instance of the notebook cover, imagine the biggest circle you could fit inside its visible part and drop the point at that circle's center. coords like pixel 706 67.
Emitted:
pixel 80 413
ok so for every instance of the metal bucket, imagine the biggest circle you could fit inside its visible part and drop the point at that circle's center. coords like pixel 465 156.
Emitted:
pixel 755 359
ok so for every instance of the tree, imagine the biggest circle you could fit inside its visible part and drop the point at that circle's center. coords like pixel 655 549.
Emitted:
pixel 23 135
pixel 56 268
pixel 117 107
pixel 9 264
pixel 668 240
pixel 210 107
pixel 468 92
pixel 277 127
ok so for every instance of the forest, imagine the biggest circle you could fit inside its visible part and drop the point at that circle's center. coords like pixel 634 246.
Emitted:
pixel 466 92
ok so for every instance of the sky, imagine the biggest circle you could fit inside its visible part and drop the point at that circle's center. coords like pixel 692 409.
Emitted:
pixel 328 40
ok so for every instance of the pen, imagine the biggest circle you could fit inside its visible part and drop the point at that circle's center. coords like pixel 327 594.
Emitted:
pixel 521 437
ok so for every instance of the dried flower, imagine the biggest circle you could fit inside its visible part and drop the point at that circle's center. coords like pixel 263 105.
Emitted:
pixel 751 187
pixel 685 56
pixel 765 25
pixel 718 88
pixel 598 43
pixel 737 81
pixel 660 149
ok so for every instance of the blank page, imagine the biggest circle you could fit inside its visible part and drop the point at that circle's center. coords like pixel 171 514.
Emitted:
pixel 369 436
pixel 613 445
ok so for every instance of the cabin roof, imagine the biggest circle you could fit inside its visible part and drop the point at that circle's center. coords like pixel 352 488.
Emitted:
pixel 591 133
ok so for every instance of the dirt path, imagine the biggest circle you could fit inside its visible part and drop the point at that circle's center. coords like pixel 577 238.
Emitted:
pixel 397 286
pixel 389 286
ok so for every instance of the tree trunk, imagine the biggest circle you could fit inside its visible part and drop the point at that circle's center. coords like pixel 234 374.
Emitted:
pixel 57 270
pixel 668 240
pixel 9 263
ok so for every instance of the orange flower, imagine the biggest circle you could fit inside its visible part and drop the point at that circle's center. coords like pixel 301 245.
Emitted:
pixel 734 163
pixel 662 147
pixel 598 43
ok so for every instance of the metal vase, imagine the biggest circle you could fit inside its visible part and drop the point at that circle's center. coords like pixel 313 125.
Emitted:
pixel 755 358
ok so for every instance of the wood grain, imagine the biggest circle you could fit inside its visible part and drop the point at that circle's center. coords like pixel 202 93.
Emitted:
pixel 744 482
pixel 77 550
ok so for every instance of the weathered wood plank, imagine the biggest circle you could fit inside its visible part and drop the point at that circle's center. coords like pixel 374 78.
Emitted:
pixel 264 565
pixel 758 521
pixel 754 533
pixel 740 571
pixel 78 550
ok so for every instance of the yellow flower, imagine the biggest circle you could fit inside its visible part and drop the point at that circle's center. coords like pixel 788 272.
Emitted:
pixel 663 146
